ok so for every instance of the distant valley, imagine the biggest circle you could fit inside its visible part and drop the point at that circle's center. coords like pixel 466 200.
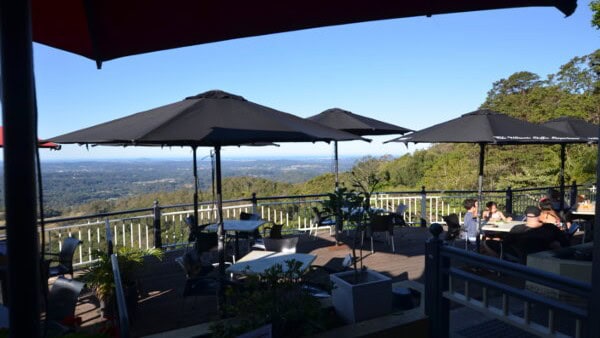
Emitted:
pixel 78 182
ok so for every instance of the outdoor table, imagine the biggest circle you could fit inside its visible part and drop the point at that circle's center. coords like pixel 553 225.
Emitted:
pixel 588 216
pixel 584 213
pixel 257 262
pixel 238 226
pixel 501 226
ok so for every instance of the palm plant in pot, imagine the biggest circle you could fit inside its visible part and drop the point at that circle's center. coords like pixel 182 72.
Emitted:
pixel 99 276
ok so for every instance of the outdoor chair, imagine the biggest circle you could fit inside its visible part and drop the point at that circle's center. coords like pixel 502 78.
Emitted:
pixel 201 277
pixel 398 219
pixel 287 244
pixel 274 233
pixel 316 278
pixel 512 249
pixel 381 223
pixel 454 229
pixel 254 238
pixel 195 232
pixel 193 229
pixel 62 300
pixel 398 215
pixel 62 262
pixel 321 219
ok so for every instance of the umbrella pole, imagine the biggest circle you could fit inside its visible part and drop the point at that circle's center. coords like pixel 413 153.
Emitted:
pixel 194 148
pixel 480 193
pixel 220 230
pixel 594 307
pixel 19 116
pixel 336 167
pixel 562 176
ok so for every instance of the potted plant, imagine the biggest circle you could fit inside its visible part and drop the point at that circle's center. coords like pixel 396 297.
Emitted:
pixel 360 294
pixel 335 203
pixel 99 276
pixel 277 302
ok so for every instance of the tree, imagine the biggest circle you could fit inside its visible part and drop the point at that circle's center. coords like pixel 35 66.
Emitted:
pixel 595 7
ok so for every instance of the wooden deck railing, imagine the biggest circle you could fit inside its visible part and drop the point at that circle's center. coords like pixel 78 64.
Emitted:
pixel 454 275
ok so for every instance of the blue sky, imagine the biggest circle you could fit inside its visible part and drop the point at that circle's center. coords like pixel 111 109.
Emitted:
pixel 412 72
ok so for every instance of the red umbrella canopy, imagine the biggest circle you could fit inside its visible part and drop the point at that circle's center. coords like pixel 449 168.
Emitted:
pixel 41 144
pixel 107 29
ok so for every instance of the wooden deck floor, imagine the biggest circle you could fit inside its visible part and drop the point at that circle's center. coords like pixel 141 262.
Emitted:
pixel 162 307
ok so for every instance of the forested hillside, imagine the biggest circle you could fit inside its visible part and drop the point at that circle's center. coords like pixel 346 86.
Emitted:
pixel 574 90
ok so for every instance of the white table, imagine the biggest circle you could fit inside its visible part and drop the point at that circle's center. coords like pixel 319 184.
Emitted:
pixel 238 226
pixel 500 226
pixel 257 262
pixel 584 213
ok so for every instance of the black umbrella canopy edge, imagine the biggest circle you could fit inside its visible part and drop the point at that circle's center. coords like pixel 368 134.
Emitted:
pixel 574 126
pixel 177 119
pixel 461 126
pixel 345 120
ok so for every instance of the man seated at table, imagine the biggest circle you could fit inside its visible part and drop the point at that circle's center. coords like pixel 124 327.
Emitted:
pixel 470 222
pixel 533 236
pixel 548 214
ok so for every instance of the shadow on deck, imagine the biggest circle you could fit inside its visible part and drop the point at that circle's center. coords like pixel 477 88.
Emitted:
pixel 162 307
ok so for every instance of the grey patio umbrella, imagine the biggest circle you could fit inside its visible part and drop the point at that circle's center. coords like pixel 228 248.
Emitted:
pixel 341 119
pixel 211 119
pixel 487 127
pixel 574 127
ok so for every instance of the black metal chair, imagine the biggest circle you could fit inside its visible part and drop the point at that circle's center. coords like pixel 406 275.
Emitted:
pixel 254 238
pixel 193 229
pixel 62 301
pixel 381 223
pixel 62 262
pixel 320 219
pixel 275 232
pixel 201 278
pixel 454 228
pixel 398 215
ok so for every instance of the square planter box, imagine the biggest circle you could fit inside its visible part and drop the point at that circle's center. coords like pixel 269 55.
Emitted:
pixel 368 297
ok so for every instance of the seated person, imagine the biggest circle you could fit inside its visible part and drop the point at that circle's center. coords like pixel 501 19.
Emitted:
pixel 533 236
pixel 470 222
pixel 493 214
pixel 548 214
pixel 554 197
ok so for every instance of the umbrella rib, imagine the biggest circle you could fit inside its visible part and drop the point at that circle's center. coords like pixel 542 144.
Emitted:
pixel 185 111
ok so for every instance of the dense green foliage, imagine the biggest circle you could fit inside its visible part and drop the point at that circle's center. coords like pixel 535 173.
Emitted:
pixel 595 7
